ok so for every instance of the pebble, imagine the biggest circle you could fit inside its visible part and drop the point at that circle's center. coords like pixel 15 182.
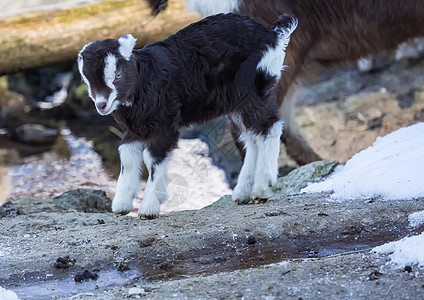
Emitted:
pixel 85 275
pixel 251 240
pixel 135 291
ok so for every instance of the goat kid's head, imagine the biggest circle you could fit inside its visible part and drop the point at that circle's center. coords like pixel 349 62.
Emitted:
pixel 109 72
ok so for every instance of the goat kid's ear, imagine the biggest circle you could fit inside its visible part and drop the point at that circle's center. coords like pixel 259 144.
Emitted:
pixel 126 45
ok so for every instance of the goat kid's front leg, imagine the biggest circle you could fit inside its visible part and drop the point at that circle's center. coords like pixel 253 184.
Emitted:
pixel 243 189
pixel 156 190
pixel 131 155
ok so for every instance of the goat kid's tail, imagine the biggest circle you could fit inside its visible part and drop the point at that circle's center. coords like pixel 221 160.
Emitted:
pixel 285 27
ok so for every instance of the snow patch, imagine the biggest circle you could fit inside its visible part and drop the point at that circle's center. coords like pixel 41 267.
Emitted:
pixel 416 219
pixel 7 294
pixel 392 168
pixel 407 251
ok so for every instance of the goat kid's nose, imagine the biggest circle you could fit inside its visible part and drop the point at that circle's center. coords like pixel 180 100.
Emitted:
pixel 101 105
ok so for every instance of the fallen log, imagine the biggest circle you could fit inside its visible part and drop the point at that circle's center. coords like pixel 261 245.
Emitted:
pixel 39 38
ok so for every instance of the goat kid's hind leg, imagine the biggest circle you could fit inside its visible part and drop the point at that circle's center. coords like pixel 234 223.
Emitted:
pixel 267 162
pixel 156 190
pixel 131 155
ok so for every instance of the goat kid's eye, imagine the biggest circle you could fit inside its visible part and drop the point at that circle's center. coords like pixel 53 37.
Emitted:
pixel 118 76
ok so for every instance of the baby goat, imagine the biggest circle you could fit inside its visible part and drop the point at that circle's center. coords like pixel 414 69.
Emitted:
pixel 222 65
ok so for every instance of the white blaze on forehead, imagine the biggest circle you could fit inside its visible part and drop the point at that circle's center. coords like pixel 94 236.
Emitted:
pixel 126 45
pixel 109 77
pixel 110 70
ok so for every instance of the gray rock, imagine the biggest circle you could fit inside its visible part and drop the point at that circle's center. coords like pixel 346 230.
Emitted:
pixel 86 200
pixel 292 183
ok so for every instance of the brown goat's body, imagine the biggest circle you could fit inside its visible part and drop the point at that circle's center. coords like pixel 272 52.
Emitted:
pixel 331 32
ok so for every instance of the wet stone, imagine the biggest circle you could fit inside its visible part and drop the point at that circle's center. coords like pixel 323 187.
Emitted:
pixel 408 269
pixel 219 259
pixel 79 277
pixel 251 240
pixel 64 262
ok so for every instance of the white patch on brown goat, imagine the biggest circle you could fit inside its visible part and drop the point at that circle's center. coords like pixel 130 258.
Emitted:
pixel 212 7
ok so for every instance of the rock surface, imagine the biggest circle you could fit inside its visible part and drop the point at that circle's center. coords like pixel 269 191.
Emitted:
pixel 285 248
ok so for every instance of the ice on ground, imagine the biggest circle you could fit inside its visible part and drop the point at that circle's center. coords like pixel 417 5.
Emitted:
pixel 392 168
pixel 416 219
pixel 7 294
pixel 407 251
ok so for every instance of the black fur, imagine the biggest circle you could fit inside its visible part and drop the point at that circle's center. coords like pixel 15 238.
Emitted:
pixel 205 70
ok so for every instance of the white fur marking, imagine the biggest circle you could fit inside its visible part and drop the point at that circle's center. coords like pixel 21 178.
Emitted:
pixel 156 188
pixel 245 180
pixel 80 68
pixel 109 77
pixel 212 7
pixel 126 45
pixel 131 155
pixel 267 162
pixel 273 60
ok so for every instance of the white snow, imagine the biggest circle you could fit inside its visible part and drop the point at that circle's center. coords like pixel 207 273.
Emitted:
pixel 391 169
pixel 407 251
pixel 7 294
pixel 416 219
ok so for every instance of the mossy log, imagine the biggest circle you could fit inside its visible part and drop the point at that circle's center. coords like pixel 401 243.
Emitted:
pixel 36 39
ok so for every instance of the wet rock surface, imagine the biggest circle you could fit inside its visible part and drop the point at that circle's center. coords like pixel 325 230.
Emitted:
pixel 287 247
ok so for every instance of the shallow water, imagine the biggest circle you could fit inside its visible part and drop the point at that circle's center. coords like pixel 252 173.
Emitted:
pixel 67 287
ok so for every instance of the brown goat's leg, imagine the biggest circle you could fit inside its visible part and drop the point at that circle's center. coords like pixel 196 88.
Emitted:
pixel 235 133
pixel 296 145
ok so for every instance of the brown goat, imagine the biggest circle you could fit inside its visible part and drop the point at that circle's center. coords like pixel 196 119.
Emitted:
pixel 329 32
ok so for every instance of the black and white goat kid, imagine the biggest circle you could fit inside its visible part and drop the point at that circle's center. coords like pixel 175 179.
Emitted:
pixel 226 64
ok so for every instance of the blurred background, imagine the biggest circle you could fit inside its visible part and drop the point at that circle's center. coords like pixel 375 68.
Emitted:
pixel 52 140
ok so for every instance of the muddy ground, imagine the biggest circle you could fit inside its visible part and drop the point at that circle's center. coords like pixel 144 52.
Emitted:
pixel 284 248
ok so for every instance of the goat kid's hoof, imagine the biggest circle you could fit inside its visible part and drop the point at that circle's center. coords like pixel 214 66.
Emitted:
pixel 121 208
pixel 148 217
pixel 242 201
pixel 121 213
pixel 149 210
pixel 259 201
pixel 262 194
